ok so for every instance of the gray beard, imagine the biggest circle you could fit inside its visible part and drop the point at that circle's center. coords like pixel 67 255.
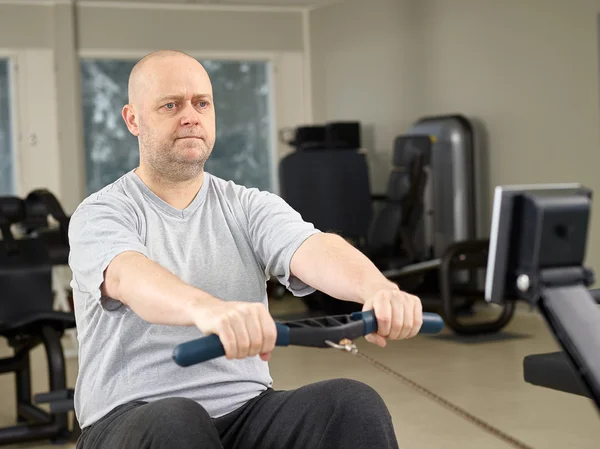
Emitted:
pixel 169 167
pixel 176 170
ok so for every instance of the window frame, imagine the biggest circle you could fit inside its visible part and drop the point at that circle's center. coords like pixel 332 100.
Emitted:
pixel 273 60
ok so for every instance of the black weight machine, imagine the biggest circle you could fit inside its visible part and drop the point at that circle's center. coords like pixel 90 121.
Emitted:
pixel 29 248
pixel 327 181
pixel 537 250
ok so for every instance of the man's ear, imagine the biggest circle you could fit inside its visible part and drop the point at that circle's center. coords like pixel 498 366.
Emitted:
pixel 131 120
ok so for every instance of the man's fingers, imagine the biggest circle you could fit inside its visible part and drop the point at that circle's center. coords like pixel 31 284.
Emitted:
pixel 255 331
pixel 228 338
pixel 383 313
pixel 399 315
pixel 238 324
pixel 409 315
pixel 417 317
pixel 376 339
pixel 269 331
pixel 398 319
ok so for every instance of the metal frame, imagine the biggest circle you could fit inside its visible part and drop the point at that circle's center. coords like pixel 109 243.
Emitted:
pixel 467 255
pixel 574 318
pixel 35 423
pixel 554 370
pixel 26 277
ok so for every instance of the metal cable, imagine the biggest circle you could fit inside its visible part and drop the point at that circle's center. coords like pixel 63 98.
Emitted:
pixel 456 409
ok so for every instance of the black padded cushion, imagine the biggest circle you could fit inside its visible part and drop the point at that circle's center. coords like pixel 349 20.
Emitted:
pixel 384 232
pixel 12 209
pixel 398 185
pixel 392 229
pixel 29 324
pixel 25 280
pixel 552 370
pixel 407 147
pixel 26 297
pixel 330 189
pixel 410 155
pixel 55 245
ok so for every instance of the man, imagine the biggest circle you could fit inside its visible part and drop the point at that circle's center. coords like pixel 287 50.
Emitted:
pixel 169 252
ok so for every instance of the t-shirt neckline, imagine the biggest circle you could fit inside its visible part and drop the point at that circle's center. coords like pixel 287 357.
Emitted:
pixel 166 207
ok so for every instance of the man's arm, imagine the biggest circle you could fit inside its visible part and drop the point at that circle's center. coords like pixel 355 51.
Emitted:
pixel 152 292
pixel 108 258
pixel 158 296
pixel 330 264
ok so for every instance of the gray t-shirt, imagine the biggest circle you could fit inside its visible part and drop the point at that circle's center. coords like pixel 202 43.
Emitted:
pixel 227 242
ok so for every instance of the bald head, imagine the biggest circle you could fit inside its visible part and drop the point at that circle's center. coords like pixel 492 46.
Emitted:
pixel 153 68
pixel 171 111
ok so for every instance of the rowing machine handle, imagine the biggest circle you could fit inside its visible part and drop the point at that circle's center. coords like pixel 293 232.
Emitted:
pixel 432 322
pixel 210 347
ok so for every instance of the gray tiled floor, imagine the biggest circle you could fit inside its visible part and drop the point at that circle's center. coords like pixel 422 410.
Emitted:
pixel 484 378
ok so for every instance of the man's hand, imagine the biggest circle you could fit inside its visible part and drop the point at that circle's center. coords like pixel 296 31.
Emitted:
pixel 399 314
pixel 245 329
pixel 330 264
pixel 158 296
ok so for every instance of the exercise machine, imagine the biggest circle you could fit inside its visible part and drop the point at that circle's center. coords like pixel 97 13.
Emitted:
pixel 537 249
pixel 28 319
pixel 325 332
pixel 449 257
pixel 449 196
pixel 421 233
pixel 554 370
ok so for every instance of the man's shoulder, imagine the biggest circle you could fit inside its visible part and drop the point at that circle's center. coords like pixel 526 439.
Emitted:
pixel 224 185
pixel 233 190
pixel 114 195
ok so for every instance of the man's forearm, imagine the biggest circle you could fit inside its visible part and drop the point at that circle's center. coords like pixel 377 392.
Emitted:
pixel 330 264
pixel 152 292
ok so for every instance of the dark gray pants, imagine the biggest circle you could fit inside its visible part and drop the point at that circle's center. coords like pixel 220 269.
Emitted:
pixel 331 414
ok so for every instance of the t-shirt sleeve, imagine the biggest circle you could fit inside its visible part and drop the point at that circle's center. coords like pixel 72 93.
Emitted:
pixel 99 230
pixel 276 231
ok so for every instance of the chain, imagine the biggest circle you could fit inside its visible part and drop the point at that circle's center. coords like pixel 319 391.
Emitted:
pixel 456 409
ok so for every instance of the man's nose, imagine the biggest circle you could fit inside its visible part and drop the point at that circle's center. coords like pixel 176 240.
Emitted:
pixel 190 116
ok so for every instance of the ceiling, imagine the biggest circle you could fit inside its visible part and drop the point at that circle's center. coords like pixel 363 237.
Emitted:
pixel 278 3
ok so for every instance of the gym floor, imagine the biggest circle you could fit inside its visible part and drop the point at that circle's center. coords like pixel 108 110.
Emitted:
pixel 482 376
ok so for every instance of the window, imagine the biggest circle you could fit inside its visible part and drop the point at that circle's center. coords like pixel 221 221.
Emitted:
pixel 7 181
pixel 243 149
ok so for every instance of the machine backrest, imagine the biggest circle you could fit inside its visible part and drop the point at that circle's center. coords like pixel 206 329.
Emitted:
pixel 25 269
pixel 39 205
pixel 390 234
pixel 409 176
pixel 11 211
pixel 329 188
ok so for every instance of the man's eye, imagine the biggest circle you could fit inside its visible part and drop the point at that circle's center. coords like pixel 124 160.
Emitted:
pixel 170 105
pixel 203 104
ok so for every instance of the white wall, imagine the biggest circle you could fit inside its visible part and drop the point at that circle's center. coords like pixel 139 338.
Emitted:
pixel 26 25
pixel 191 28
pixel 528 69
pixel 365 65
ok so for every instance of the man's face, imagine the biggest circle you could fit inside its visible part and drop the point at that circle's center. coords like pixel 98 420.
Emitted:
pixel 175 117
